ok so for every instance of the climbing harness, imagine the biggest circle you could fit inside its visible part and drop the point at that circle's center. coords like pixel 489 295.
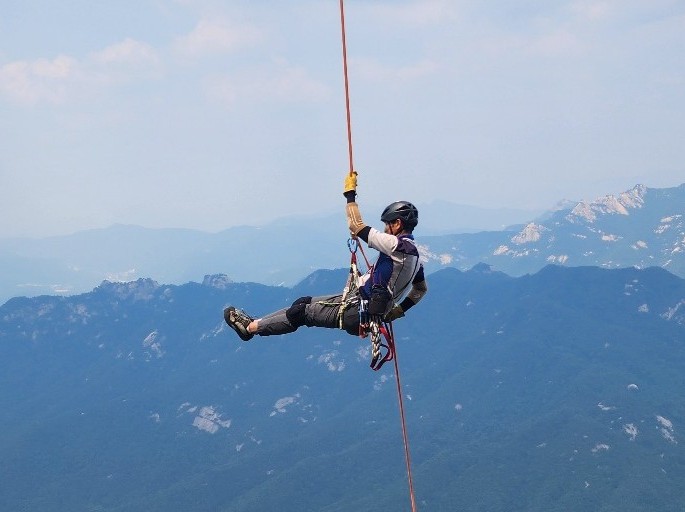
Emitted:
pixel 370 320
pixel 350 294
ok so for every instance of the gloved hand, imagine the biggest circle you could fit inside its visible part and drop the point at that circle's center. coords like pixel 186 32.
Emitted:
pixel 395 313
pixel 350 182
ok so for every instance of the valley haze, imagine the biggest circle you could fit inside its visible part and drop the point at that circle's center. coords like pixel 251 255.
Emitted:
pixel 639 227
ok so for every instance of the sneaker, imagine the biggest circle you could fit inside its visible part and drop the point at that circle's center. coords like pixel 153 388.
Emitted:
pixel 238 320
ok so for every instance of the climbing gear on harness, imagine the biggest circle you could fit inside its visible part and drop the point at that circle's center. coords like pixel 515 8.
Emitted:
pixel 350 294
pixel 403 210
pixel 377 306
pixel 370 311
pixel 238 320
pixel 381 338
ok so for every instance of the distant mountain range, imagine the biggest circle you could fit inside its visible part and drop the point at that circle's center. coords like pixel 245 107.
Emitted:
pixel 562 390
pixel 282 252
pixel 641 227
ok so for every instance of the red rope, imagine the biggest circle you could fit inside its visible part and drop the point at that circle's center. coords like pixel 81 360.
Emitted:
pixel 366 260
pixel 347 87
pixel 405 437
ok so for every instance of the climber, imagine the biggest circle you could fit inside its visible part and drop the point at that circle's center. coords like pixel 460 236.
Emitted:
pixel 398 271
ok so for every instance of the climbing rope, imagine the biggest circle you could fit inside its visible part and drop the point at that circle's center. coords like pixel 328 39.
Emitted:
pixel 405 437
pixel 347 87
pixel 378 327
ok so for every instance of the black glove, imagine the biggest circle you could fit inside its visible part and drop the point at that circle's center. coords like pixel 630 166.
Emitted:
pixel 395 313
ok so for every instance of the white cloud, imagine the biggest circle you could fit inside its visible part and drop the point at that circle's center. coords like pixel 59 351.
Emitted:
pixel 550 40
pixel 375 71
pixel 505 75
pixel 282 83
pixel 216 37
pixel 42 80
pixel 56 81
pixel 128 51
pixel 591 10
pixel 557 42
pixel 416 13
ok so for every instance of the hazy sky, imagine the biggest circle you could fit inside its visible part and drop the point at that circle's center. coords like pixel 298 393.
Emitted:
pixel 208 114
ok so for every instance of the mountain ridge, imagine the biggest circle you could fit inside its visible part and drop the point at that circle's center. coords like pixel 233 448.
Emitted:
pixel 555 391
pixel 75 263
pixel 640 227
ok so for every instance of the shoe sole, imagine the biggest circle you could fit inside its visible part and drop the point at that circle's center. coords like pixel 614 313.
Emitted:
pixel 239 329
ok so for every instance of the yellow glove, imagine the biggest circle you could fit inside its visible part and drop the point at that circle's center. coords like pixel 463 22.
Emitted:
pixel 395 313
pixel 350 182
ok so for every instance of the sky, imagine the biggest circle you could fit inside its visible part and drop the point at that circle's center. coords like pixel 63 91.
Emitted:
pixel 207 114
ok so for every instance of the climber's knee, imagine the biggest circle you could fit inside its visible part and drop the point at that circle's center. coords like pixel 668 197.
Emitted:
pixel 296 312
